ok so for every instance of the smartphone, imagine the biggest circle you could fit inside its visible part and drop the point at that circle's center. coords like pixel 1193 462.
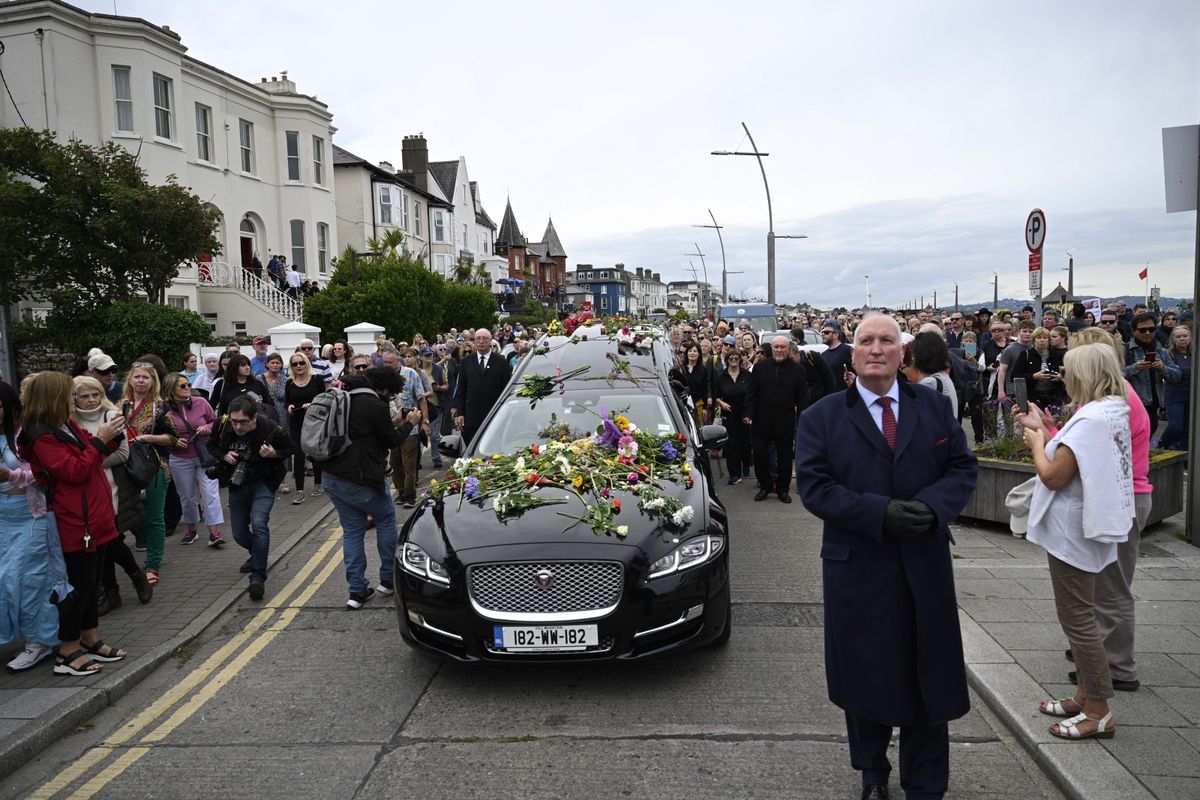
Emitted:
pixel 1022 395
pixel 1152 355
pixel 126 408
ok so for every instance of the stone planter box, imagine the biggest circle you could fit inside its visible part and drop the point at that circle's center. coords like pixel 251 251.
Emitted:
pixel 998 478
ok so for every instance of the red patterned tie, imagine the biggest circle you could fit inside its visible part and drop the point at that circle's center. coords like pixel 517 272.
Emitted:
pixel 889 422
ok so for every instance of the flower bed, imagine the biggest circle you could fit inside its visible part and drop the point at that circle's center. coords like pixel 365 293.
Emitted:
pixel 997 478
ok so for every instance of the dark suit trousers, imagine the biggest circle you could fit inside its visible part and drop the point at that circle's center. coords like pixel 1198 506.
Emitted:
pixel 924 755
pixel 785 445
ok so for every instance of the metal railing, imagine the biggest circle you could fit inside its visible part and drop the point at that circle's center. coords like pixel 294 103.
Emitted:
pixel 263 290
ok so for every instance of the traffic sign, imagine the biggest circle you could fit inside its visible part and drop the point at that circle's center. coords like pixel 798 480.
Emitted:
pixel 1035 230
pixel 1035 261
pixel 1035 281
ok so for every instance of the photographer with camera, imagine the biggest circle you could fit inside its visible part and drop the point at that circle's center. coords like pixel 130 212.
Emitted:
pixel 252 452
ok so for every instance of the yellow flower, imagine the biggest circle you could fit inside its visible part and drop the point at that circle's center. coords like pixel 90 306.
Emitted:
pixel 622 423
pixel 687 468
pixel 433 484
pixel 578 481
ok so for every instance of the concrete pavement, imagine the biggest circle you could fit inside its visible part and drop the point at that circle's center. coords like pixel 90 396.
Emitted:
pixel 198 584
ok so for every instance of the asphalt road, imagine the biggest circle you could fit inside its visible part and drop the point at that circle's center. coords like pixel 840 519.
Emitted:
pixel 296 697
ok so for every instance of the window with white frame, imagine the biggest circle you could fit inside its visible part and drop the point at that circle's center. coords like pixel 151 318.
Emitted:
pixel 203 132
pixel 404 210
pixel 177 301
pixel 164 123
pixel 322 247
pixel 439 226
pixel 465 245
pixel 385 205
pixel 416 217
pixel 441 263
pixel 297 226
pixel 293 155
pixel 123 98
pixel 246 144
pixel 318 161
pixel 604 301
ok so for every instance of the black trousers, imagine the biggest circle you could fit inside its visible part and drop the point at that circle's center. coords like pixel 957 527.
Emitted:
pixel 113 553
pixel 83 570
pixel 737 449
pixel 924 755
pixel 785 446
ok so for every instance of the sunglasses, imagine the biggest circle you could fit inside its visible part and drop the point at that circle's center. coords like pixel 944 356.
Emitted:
pixel 359 368
pixel 1145 330
pixel 146 364
pixel 1108 322
pixel 308 347
pixel 298 364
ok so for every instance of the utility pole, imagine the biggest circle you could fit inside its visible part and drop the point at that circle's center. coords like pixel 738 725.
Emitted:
pixel 935 299
pixel 724 271
pixel 995 292
pixel 704 312
pixel 956 308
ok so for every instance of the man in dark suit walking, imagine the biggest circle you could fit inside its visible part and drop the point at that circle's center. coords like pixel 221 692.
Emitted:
pixel 886 466
pixel 482 376
pixel 778 393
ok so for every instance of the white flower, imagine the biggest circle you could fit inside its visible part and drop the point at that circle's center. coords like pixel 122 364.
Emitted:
pixel 566 465
pixel 622 530
pixel 462 466
pixel 500 502
pixel 655 504
pixel 682 516
pixel 520 465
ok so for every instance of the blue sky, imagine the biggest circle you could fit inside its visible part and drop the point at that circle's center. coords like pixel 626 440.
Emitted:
pixel 908 140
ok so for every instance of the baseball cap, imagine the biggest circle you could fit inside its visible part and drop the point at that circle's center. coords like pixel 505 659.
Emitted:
pixel 257 340
pixel 729 340
pixel 425 351
pixel 100 363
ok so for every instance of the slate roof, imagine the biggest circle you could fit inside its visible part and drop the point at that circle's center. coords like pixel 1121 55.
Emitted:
pixel 446 174
pixel 510 232
pixel 550 237
pixel 344 158
pixel 481 216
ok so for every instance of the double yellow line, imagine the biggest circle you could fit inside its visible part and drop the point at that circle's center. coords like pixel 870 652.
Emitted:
pixel 263 629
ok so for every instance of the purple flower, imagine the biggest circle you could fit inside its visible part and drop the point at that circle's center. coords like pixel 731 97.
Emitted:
pixel 610 434
pixel 471 488
pixel 669 451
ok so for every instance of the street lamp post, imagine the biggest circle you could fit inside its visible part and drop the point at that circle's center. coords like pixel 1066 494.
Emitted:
pixel 724 271
pixel 704 293
pixel 868 277
pixel 956 308
pixel 771 237
pixel 995 291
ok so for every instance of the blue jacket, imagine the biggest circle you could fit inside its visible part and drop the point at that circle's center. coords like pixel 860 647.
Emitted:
pixel 1141 379
pixel 893 651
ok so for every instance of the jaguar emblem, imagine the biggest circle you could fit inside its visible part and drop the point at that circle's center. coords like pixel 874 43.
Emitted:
pixel 544 579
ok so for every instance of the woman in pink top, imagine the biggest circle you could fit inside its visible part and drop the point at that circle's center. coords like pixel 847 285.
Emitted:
pixel 1114 593
pixel 194 418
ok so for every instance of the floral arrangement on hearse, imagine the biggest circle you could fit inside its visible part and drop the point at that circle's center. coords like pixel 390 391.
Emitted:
pixel 617 459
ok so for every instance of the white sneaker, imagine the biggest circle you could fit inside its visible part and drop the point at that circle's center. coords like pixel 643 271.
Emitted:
pixel 385 589
pixel 30 656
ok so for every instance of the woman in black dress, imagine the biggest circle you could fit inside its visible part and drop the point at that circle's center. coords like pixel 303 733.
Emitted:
pixel 729 390
pixel 690 376
pixel 301 389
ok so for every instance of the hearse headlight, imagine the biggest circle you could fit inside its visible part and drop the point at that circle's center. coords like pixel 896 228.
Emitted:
pixel 692 553
pixel 417 561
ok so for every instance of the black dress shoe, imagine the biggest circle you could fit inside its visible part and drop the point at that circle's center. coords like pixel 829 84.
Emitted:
pixel 763 494
pixel 784 497
pixel 1118 685
pixel 1070 656
pixel 876 791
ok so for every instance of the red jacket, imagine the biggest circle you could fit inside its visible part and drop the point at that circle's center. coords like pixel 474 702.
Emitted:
pixel 80 495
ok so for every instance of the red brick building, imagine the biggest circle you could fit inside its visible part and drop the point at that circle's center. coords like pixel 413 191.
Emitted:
pixel 543 265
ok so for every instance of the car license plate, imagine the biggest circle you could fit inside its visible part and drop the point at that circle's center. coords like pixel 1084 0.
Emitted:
pixel 545 638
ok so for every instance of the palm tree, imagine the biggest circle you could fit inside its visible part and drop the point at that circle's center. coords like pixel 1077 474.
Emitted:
pixel 389 244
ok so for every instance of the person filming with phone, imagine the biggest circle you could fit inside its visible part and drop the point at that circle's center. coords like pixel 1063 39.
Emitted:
pixel 1041 367
pixel 1147 363
pixel 251 450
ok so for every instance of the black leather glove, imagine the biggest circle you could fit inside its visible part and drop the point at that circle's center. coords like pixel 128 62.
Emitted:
pixel 907 519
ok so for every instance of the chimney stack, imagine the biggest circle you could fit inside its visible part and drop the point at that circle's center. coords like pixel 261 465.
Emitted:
pixel 415 160
pixel 386 166
pixel 657 277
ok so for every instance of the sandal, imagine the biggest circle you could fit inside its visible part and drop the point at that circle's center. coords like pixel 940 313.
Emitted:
pixel 1058 708
pixel 1069 728
pixel 66 665
pixel 102 652
pixel 152 577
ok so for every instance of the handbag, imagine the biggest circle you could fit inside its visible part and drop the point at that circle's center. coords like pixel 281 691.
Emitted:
pixel 143 464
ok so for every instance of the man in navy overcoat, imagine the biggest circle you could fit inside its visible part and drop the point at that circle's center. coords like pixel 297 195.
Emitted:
pixel 886 466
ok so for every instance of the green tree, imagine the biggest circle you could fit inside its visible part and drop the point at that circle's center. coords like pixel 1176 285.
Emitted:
pixel 81 226
pixel 467 307
pixel 399 293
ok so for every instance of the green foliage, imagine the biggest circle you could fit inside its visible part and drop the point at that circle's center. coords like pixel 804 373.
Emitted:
pixel 81 226
pixel 124 330
pixel 467 307
pixel 533 315
pixel 399 293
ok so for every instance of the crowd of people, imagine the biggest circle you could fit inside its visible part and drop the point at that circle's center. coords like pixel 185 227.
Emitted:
pixel 828 401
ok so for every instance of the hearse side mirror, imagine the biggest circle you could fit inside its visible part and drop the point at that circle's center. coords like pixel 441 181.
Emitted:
pixel 713 436
pixel 452 445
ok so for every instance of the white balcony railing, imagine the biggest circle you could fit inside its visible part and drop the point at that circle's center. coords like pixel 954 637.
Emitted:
pixel 222 274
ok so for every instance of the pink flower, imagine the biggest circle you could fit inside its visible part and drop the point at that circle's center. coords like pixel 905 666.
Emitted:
pixel 632 477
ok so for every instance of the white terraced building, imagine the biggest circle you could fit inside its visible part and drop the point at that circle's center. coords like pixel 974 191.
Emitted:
pixel 261 153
